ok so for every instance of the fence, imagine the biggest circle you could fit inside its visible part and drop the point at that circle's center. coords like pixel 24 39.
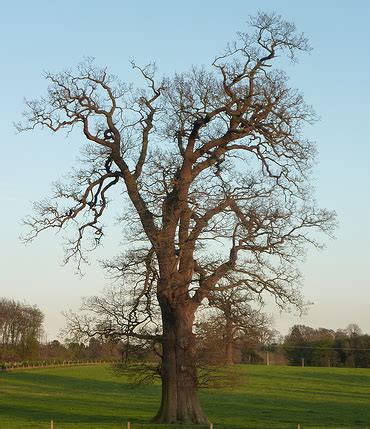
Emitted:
pixel 11 366
pixel 130 425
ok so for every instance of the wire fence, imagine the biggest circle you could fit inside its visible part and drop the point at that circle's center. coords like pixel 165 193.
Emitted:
pixel 12 366
pixel 133 425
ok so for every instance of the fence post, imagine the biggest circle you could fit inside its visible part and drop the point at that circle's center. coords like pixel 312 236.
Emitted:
pixel 128 425
pixel 298 426
pixel 52 424
pixel 211 426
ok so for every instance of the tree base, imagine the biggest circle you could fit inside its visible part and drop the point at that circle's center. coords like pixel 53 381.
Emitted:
pixel 195 420
pixel 188 411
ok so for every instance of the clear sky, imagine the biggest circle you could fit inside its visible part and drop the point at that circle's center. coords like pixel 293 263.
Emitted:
pixel 335 78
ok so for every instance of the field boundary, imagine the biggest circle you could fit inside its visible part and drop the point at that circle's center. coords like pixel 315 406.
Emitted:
pixel 20 366
pixel 133 425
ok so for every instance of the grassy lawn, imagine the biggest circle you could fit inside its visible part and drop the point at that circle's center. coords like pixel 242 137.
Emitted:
pixel 91 397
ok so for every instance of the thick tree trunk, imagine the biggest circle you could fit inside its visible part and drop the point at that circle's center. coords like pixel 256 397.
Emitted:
pixel 180 402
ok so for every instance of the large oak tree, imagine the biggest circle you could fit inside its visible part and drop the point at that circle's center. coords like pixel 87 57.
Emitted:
pixel 214 171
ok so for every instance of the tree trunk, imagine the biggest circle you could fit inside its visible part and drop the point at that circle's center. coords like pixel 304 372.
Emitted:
pixel 229 343
pixel 179 402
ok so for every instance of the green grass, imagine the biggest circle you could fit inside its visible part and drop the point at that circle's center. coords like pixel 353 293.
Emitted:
pixel 91 397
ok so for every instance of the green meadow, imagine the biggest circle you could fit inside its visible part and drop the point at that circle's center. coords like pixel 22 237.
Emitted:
pixel 263 397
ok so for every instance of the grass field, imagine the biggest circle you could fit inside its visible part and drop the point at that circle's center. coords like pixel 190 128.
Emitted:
pixel 91 397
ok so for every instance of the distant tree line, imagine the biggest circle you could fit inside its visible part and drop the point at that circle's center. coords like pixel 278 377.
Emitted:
pixel 20 330
pixel 324 347
pixel 230 329
pixel 55 351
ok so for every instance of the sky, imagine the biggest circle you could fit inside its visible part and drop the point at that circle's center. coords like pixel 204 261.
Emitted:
pixel 335 79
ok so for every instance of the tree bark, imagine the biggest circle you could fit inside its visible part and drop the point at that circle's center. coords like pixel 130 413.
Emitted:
pixel 179 402
pixel 229 343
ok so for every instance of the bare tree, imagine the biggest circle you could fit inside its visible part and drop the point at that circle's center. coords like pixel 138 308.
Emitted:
pixel 234 319
pixel 120 315
pixel 205 157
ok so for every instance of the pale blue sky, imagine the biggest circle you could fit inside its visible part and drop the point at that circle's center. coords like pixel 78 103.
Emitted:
pixel 335 78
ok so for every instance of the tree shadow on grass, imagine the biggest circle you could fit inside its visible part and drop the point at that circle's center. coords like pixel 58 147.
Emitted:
pixel 260 409
pixel 335 376
pixel 49 381
pixel 39 397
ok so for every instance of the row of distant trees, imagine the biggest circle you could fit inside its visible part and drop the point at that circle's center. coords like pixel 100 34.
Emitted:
pixel 230 329
pixel 20 330
pixel 324 347
pixel 75 351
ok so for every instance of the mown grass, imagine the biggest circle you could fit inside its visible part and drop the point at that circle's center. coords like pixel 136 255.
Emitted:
pixel 91 397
